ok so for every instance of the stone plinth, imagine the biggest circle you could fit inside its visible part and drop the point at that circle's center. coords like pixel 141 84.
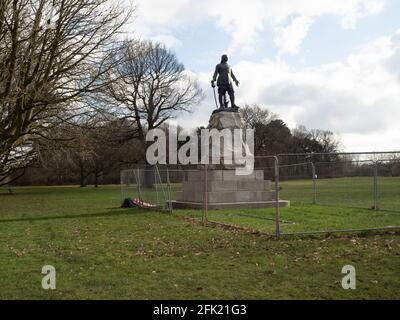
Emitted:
pixel 226 120
pixel 226 190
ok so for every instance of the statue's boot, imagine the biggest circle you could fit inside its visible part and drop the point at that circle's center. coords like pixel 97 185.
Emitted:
pixel 221 102
pixel 232 98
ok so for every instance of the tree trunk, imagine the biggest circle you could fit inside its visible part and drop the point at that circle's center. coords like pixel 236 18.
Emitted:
pixel 96 179
pixel 148 176
pixel 82 177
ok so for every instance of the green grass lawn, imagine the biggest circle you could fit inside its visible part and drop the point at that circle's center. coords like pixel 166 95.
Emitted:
pixel 101 251
pixel 304 218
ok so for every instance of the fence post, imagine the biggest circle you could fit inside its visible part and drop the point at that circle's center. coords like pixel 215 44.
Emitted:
pixel 205 205
pixel 277 213
pixel 314 177
pixel 206 183
pixel 138 181
pixel 155 183
pixel 376 186
pixel 169 192
pixel 122 181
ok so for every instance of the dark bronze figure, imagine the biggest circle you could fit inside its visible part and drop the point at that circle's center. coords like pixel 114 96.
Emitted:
pixel 224 83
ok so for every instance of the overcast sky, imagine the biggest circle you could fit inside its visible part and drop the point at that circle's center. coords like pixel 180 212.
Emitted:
pixel 331 64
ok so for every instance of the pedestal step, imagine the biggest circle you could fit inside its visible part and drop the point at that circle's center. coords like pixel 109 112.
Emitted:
pixel 225 189
pixel 227 205
pixel 225 196
pixel 225 175
pixel 224 185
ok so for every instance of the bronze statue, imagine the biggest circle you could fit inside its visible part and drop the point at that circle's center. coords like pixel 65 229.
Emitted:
pixel 224 83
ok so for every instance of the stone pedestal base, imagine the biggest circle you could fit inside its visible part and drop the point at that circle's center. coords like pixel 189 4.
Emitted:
pixel 225 190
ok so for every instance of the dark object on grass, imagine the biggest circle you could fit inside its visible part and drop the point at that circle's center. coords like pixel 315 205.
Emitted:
pixel 129 203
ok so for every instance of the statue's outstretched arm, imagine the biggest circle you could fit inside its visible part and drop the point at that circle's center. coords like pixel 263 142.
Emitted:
pixel 234 78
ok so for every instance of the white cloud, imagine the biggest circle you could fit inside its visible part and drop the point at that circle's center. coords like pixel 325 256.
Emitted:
pixel 394 62
pixel 245 21
pixel 288 39
pixel 357 10
pixel 169 40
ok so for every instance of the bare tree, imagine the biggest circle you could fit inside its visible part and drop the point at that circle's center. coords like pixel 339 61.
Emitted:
pixel 328 141
pixel 254 114
pixel 94 147
pixel 51 53
pixel 316 141
pixel 150 86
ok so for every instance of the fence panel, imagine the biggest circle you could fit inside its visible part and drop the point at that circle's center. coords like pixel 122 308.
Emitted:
pixel 297 182
pixel 145 186
pixel 346 183
pixel 350 192
pixel 389 185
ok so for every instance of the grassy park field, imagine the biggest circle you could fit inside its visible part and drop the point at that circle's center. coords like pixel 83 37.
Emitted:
pixel 101 251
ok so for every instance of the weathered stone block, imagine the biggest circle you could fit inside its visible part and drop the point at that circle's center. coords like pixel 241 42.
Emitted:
pixel 230 175
pixel 226 185
pixel 194 176
pixel 221 186
pixel 214 175
pixel 250 185
pixel 238 196
pixel 179 196
pixel 259 174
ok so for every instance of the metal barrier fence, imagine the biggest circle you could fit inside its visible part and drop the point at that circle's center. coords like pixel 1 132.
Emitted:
pixel 327 192
pixel 365 184
pixel 388 184
pixel 209 193
pixel 158 187
pixel 242 200
pixel 352 191
pixel 145 186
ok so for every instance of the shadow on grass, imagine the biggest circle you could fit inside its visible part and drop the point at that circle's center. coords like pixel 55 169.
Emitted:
pixel 6 194
pixel 120 212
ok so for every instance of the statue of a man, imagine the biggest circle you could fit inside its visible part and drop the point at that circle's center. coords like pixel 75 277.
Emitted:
pixel 224 82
